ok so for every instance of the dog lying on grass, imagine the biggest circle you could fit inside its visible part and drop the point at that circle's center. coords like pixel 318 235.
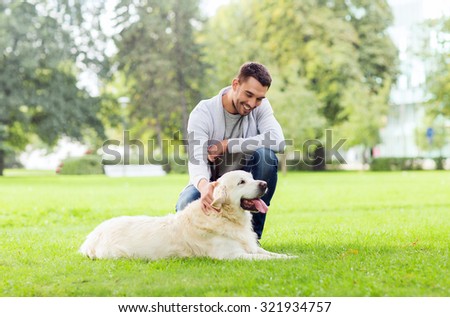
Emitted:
pixel 225 234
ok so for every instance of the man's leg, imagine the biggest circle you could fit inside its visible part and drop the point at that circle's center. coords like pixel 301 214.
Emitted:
pixel 188 195
pixel 264 166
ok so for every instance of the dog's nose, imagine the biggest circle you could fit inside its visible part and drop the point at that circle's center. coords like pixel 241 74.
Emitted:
pixel 263 185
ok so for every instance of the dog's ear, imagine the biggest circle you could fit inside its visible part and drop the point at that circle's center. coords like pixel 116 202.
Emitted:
pixel 220 196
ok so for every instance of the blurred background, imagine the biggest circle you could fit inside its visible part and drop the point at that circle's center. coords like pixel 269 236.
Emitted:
pixel 74 74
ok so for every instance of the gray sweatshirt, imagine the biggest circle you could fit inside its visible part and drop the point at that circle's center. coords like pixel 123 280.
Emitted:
pixel 207 125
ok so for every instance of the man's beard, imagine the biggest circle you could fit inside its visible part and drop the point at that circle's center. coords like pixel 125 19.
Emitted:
pixel 237 109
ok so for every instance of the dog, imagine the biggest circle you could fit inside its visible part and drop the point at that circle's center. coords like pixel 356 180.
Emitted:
pixel 223 234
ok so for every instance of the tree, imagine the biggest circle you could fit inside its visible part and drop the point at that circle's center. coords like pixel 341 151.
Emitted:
pixel 365 102
pixel 286 96
pixel 38 86
pixel 365 113
pixel 378 56
pixel 438 70
pixel 321 54
pixel 434 133
pixel 158 54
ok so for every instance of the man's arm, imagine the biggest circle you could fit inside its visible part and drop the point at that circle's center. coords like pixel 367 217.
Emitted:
pixel 206 190
pixel 198 137
pixel 216 150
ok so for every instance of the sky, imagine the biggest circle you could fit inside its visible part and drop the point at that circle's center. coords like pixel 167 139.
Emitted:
pixel 209 7
pixel 431 8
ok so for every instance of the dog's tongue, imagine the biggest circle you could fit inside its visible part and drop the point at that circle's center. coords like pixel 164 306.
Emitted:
pixel 260 205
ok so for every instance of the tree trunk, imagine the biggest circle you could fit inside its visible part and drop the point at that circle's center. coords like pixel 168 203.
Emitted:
pixel 184 109
pixel 2 162
pixel 283 163
pixel 319 163
pixel 159 141
pixel 180 75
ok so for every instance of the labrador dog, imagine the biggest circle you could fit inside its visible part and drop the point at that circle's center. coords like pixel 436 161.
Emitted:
pixel 223 234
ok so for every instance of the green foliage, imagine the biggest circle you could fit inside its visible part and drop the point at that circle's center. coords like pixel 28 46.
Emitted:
pixel 332 64
pixel 438 76
pixel 441 133
pixel 297 165
pixel 320 54
pixel 84 165
pixel 396 164
pixel 437 85
pixel 291 101
pixel 38 78
pixel 440 161
pixel 365 113
pixel 332 61
pixel 159 58
pixel 375 234
pixel 11 161
pixel 377 54
pixel 177 166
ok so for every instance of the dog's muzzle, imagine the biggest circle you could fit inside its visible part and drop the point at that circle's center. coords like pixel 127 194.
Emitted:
pixel 256 204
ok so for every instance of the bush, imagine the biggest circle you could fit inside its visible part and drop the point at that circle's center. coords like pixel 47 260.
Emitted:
pixel 11 161
pixel 85 165
pixel 179 166
pixel 169 164
pixel 307 164
pixel 396 164
pixel 440 162
pixel 296 165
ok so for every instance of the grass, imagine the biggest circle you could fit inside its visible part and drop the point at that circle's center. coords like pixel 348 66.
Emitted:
pixel 356 234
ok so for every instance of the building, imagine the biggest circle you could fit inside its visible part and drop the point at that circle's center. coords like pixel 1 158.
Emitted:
pixel 406 115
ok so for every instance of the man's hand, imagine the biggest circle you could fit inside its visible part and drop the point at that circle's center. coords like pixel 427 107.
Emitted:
pixel 216 150
pixel 206 191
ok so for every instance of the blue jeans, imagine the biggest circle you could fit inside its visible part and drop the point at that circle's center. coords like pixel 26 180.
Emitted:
pixel 263 165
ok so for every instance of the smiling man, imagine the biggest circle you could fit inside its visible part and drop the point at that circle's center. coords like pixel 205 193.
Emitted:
pixel 235 130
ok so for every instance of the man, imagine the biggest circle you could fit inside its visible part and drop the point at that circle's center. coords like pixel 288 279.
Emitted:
pixel 234 130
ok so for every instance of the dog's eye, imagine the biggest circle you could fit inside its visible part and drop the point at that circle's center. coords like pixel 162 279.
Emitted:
pixel 242 182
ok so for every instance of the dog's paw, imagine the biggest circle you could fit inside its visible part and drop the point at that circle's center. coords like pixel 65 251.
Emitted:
pixel 286 256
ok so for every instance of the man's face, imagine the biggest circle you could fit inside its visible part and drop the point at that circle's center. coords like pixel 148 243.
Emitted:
pixel 247 95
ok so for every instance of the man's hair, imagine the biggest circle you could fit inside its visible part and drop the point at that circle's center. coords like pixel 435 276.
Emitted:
pixel 255 70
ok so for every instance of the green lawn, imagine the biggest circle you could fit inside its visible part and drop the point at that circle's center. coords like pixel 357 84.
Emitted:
pixel 355 234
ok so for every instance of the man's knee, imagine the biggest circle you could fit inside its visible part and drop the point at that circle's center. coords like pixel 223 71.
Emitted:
pixel 188 195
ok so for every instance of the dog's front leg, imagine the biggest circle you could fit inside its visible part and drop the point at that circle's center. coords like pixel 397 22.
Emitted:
pixel 254 256
pixel 274 255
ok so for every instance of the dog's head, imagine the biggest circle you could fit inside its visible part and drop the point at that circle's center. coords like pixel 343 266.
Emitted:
pixel 240 190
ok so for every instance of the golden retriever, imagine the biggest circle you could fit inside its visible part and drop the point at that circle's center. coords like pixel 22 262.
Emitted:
pixel 225 234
